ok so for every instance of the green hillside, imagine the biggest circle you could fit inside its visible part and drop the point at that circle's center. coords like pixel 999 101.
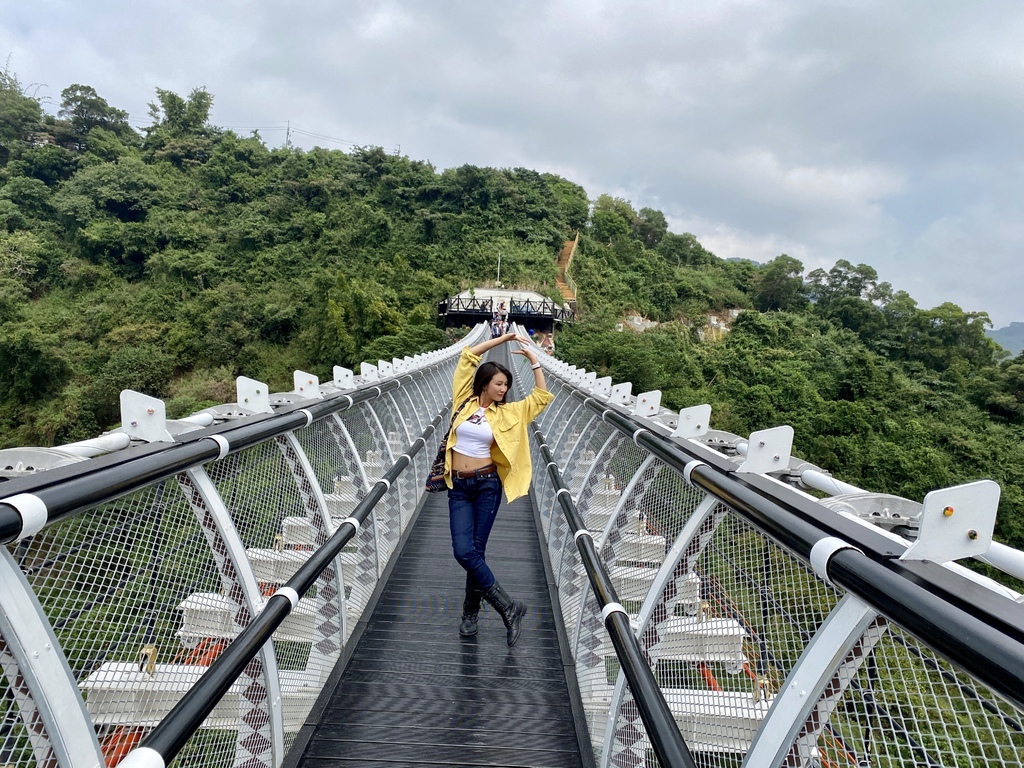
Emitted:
pixel 172 260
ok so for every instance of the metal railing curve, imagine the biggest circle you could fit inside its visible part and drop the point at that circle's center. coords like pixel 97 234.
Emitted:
pixel 782 628
pixel 168 738
pixel 666 740
pixel 987 645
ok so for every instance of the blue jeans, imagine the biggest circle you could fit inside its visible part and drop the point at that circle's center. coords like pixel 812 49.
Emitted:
pixel 472 508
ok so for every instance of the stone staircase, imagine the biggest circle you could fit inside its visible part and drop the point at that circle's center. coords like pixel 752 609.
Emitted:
pixel 564 281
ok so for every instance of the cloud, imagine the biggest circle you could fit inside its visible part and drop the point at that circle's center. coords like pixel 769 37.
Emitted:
pixel 974 256
pixel 881 133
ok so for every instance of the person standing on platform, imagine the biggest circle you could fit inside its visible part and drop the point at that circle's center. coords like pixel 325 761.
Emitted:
pixel 488 451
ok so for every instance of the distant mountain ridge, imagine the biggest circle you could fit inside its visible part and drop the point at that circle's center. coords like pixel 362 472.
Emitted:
pixel 1010 338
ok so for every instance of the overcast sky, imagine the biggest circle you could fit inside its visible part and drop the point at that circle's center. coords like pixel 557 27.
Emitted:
pixel 885 132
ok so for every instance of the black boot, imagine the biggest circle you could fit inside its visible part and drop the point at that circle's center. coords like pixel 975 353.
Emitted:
pixel 470 609
pixel 511 611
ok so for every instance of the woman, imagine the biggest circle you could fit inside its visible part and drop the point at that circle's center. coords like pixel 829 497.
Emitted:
pixel 487 451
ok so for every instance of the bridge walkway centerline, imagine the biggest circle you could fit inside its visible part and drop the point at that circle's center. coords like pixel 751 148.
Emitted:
pixel 412 692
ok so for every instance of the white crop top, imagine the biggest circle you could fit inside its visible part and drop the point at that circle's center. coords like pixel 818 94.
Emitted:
pixel 473 437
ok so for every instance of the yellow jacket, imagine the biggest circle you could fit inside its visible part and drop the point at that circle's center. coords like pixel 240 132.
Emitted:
pixel 511 448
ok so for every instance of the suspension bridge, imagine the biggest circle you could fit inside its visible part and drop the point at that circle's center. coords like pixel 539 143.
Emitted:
pixel 265 584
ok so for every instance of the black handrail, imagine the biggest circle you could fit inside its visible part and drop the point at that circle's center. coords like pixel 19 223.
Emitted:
pixel 972 598
pixel 662 730
pixel 985 645
pixel 185 718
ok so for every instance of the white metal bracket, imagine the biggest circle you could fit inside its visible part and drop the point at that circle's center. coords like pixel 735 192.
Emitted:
pixel 344 378
pixel 693 422
pixel 589 379
pixel 602 387
pixel 386 369
pixel 647 403
pixel 369 372
pixel 621 393
pixel 144 417
pixel 253 396
pixel 768 450
pixel 956 522
pixel 307 385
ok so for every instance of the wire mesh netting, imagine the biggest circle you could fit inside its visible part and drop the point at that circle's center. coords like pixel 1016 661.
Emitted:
pixel 727 618
pixel 145 592
pixel 907 707
pixel 116 585
pixel 382 524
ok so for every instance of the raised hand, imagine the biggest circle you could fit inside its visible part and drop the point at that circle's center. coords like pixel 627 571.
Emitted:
pixel 525 348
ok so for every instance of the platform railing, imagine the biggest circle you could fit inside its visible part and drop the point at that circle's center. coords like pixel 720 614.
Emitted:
pixel 132 576
pixel 783 629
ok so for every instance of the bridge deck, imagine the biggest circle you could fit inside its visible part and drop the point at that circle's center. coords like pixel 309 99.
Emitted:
pixel 416 694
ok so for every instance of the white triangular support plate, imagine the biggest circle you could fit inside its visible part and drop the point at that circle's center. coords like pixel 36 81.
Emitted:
pixel 621 393
pixel 602 387
pixel 253 396
pixel 956 523
pixel 589 379
pixel 368 372
pixel 693 421
pixel 386 369
pixel 343 378
pixel 144 417
pixel 768 450
pixel 647 403
pixel 306 384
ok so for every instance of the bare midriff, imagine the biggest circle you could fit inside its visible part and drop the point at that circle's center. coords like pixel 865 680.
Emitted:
pixel 461 463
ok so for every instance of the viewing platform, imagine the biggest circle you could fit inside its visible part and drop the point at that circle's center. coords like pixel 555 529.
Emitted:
pixel 529 309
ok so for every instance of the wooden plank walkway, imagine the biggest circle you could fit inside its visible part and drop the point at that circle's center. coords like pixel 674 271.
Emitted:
pixel 414 693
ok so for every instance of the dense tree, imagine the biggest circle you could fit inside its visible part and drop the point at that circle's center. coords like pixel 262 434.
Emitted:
pixel 181 133
pixel 31 366
pixel 846 281
pixel 20 116
pixel 87 110
pixel 947 335
pixel 779 285
pixel 612 218
pixel 685 250
pixel 651 227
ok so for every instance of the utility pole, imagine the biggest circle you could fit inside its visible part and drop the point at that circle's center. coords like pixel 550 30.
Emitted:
pixel 499 269
pixel 288 134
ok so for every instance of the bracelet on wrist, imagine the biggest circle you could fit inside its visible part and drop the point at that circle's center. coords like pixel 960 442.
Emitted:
pixel 535 366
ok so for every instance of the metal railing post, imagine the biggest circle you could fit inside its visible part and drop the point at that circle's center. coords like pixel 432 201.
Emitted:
pixel 41 683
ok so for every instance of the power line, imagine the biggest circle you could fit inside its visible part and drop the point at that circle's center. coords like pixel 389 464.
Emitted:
pixel 284 126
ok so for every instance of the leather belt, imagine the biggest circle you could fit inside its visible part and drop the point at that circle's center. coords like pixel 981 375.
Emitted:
pixel 491 469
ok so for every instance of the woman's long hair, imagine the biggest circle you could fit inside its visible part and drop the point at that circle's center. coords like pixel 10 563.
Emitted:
pixel 487 371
